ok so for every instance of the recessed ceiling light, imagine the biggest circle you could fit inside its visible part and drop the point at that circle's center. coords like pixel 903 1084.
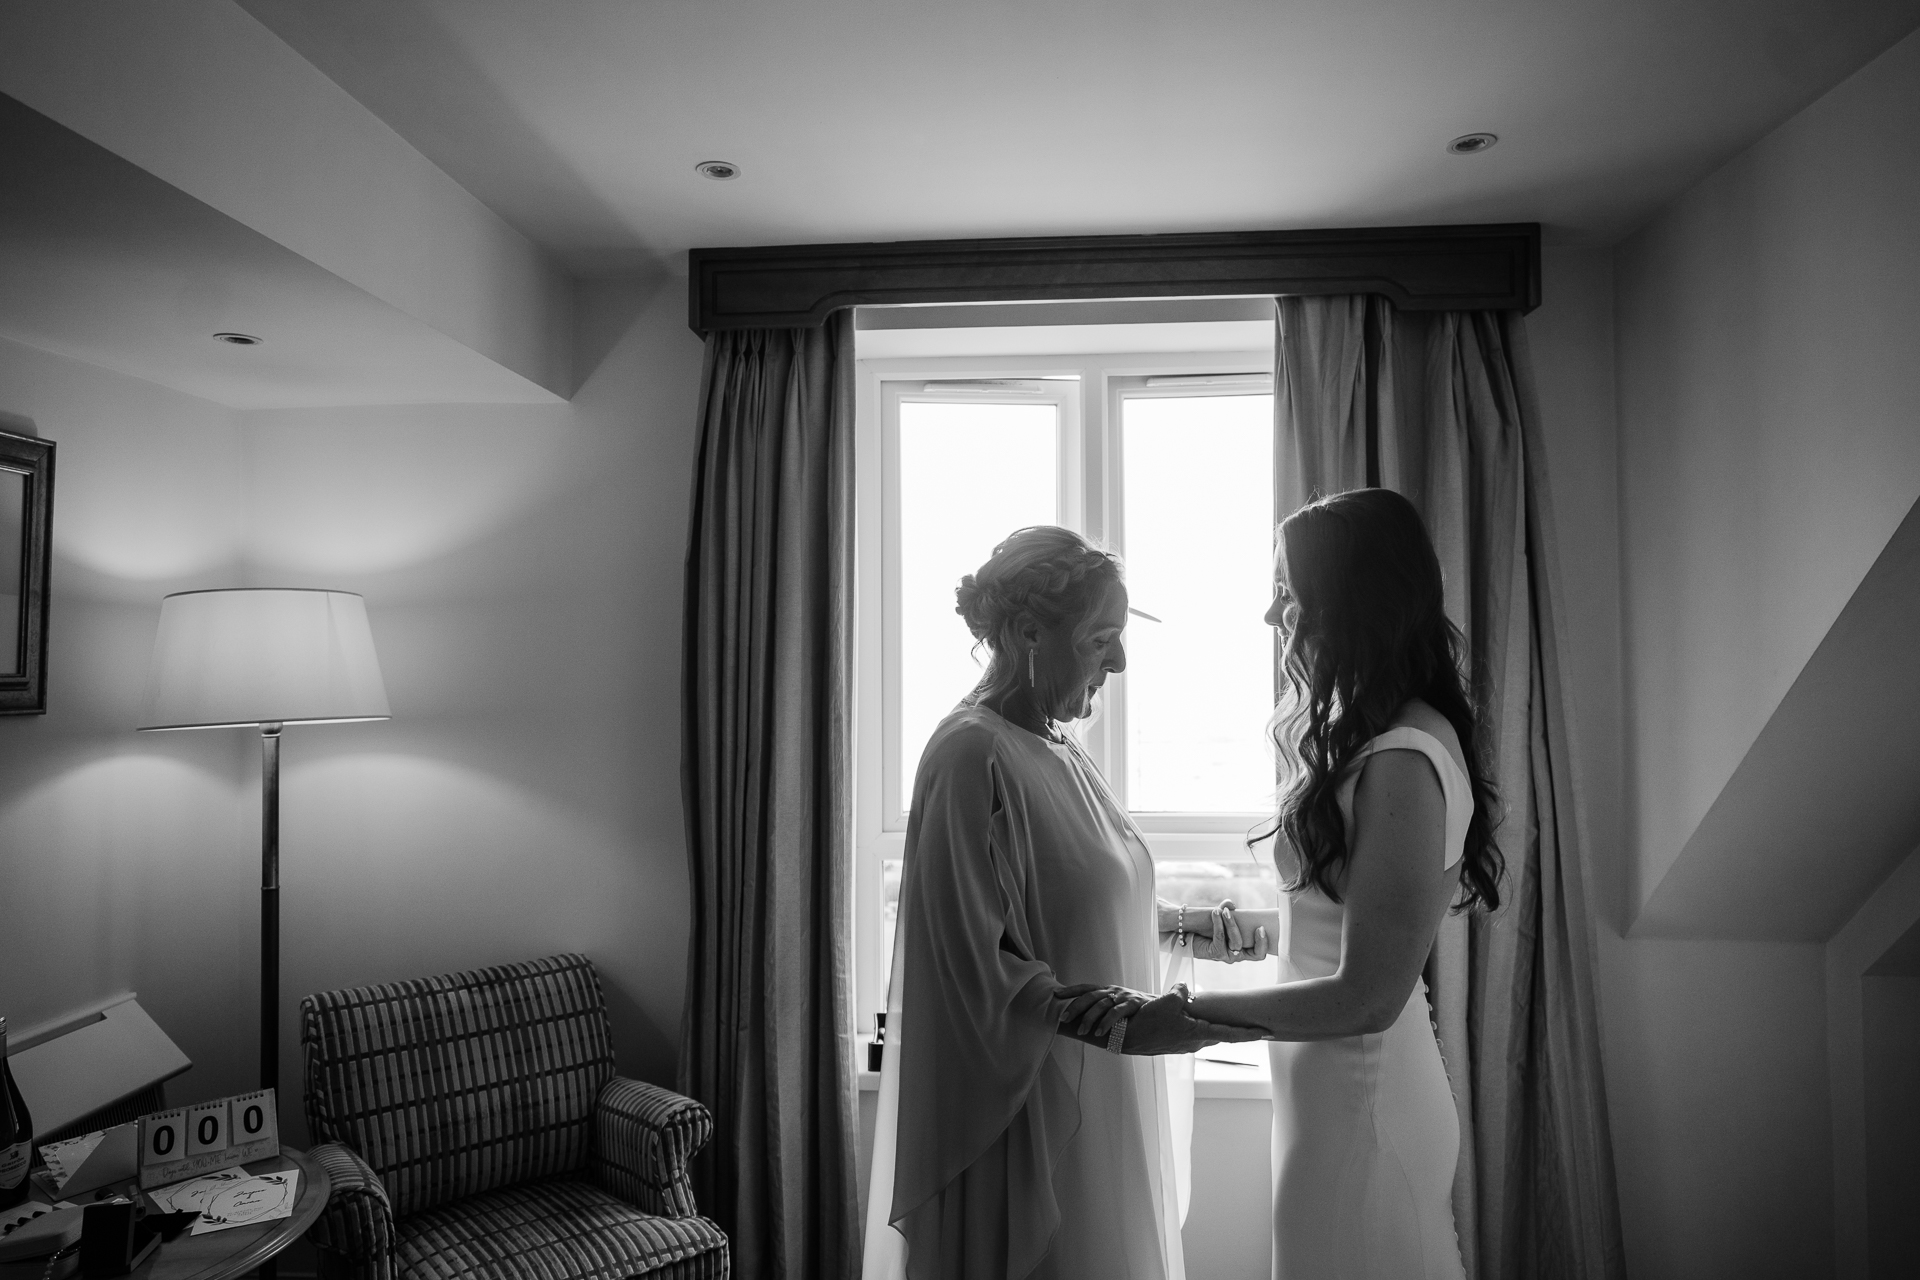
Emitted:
pixel 1471 144
pixel 718 170
pixel 238 339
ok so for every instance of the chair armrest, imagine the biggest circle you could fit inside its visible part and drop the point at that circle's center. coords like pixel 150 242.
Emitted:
pixel 356 1227
pixel 643 1138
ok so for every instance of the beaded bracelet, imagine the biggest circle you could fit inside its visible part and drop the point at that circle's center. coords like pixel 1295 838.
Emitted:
pixel 1180 934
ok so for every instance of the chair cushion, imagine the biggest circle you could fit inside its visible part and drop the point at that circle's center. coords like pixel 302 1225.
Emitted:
pixel 558 1230
pixel 455 1085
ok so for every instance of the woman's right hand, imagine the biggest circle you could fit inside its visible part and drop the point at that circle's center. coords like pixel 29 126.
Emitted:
pixel 1093 1007
pixel 1163 1025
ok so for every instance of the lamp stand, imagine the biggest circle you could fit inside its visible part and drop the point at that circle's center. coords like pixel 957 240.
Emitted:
pixel 270 904
pixel 269 919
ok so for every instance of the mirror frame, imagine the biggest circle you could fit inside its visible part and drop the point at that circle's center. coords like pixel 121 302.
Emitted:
pixel 24 693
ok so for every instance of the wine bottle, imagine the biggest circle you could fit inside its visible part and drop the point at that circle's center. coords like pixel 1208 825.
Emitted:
pixel 16 1133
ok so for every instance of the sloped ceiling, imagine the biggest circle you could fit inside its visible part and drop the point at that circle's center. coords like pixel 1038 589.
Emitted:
pixel 194 172
pixel 103 262
pixel 1827 800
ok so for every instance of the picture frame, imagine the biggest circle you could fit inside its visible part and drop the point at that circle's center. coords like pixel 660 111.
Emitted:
pixel 26 562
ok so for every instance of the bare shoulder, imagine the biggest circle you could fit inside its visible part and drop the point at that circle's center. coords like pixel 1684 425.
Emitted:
pixel 1417 714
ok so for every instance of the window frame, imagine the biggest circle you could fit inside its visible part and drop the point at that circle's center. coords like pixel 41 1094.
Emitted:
pixel 1070 484
pixel 1153 823
pixel 1090 476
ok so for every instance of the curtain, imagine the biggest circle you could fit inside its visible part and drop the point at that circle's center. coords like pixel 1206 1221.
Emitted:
pixel 1440 407
pixel 766 772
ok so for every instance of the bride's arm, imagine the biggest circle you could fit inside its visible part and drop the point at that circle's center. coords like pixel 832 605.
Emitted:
pixel 1395 894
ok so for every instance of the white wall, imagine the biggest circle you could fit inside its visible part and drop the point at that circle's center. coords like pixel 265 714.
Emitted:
pixel 1769 445
pixel 522 572
pixel 1713 1051
pixel 1770 441
pixel 115 848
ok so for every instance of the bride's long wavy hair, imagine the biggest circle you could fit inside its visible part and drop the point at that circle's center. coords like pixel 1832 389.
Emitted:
pixel 1371 633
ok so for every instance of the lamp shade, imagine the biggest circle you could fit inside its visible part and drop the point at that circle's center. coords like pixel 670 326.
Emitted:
pixel 251 656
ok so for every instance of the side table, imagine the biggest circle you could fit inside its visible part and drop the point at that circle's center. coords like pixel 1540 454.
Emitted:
pixel 221 1255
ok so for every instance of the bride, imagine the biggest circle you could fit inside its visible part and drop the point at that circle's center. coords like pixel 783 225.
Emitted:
pixel 1387 819
pixel 1010 1143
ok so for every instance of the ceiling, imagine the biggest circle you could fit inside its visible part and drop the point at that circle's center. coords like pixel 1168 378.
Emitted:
pixel 103 262
pixel 580 121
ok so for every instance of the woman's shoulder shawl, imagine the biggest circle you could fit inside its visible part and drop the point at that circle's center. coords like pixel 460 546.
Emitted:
pixel 976 1009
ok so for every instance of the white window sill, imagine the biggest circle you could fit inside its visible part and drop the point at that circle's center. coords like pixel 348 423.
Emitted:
pixel 1244 1074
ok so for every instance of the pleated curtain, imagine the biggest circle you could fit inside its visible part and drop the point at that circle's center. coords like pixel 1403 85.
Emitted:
pixel 1440 407
pixel 766 764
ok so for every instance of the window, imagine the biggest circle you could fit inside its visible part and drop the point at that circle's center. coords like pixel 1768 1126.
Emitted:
pixel 1166 459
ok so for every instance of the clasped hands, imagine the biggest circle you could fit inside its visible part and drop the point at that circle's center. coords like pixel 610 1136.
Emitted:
pixel 1225 941
pixel 1155 1024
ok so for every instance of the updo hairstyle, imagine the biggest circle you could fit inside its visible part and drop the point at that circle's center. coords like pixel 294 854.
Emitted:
pixel 1043 573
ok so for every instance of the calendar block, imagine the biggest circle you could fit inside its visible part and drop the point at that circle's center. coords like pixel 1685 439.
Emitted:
pixel 163 1137
pixel 189 1142
pixel 254 1119
pixel 207 1127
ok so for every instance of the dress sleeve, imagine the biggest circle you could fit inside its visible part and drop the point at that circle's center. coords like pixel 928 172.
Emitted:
pixel 1455 787
pixel 977 1023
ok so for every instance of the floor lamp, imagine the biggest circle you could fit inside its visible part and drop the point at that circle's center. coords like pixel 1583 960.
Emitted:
pixel 266 658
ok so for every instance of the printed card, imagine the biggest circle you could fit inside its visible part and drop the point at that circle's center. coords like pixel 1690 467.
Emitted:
pixel 263 1197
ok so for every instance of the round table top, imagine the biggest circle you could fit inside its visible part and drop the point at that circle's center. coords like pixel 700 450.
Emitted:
pixel 219 1255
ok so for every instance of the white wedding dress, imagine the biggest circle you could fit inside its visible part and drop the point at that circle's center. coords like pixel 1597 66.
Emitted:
pixel 1365 1135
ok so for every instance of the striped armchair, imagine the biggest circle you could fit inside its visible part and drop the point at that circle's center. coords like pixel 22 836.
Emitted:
pixel 474 1130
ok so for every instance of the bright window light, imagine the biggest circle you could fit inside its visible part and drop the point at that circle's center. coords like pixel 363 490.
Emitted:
pixel 1199 535
pixel 970 474
pixel 1165 457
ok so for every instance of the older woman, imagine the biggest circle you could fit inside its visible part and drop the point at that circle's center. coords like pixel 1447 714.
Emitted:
pixel 1010 1144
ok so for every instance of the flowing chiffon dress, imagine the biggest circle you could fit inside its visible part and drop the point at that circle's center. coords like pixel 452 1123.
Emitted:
pixel 1002 1150
pixel 1365 1135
